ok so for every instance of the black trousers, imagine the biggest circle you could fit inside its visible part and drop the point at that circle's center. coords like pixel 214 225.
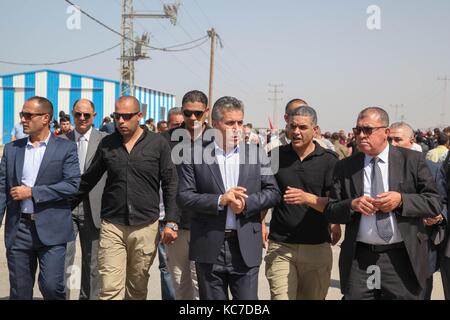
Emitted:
pixel 397 280
pixel 230 272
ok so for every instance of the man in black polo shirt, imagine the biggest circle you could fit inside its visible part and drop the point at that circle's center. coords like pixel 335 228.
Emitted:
pixel 138 162
pixel 299 258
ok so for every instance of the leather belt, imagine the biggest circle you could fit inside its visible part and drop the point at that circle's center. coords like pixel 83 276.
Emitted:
pixel 28 216
pixel 382 247
pixel 230 234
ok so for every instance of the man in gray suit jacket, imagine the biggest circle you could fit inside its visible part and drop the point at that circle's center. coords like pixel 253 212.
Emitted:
pixel 226 184
pixel 86 217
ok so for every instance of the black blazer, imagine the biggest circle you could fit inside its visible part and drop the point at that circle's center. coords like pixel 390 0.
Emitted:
pixel 409 175
pixel 199 188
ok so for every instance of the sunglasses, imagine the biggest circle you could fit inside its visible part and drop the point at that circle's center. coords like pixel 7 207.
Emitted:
pixel 189 113
pixel 86 115
pixel 124 116
pixel 29 115
pixel 395 139
pixel 366 130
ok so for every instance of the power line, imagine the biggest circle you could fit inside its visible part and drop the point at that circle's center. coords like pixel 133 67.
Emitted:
pixel 60 62
pixel 167 49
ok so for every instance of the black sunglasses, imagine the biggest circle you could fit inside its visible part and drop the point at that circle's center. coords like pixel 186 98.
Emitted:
pixel 124 116
pixel 189 113
pixel 86 115
pixel 366 130
pixel 29 115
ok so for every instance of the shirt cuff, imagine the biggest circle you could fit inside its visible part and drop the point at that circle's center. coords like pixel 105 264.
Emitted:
pixel 219 207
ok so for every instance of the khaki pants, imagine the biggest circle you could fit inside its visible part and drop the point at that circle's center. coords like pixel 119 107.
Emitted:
pixel 124 258
pixel 183 273
pixel 298 271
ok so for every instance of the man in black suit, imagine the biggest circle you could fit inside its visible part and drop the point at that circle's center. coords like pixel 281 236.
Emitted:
pixel 226 184
pixel 382 195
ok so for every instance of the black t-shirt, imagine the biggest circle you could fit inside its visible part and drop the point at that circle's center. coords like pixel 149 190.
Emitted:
pixel 302 224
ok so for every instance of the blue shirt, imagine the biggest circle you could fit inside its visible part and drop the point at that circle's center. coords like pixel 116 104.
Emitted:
pixel 229 170
pixel 17 131
pixel 31 164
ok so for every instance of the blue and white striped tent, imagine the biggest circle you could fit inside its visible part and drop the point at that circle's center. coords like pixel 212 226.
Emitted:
pixel 63 89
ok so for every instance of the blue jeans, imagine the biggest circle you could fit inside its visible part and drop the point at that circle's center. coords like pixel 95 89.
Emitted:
pixel 167 290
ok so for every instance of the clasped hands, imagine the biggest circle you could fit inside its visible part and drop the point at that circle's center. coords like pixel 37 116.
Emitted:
pixel 235 199
pixel 20 193
pixel 384 202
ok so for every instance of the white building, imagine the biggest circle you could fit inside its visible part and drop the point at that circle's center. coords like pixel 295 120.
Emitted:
pixel 64 88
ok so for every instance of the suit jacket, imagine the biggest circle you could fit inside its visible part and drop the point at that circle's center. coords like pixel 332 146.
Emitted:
pixel 95 196
pixel 199 188
pixel 58 179
pixel 409 175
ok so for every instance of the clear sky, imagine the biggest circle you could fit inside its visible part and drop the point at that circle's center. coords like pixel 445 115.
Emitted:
pixel 320 50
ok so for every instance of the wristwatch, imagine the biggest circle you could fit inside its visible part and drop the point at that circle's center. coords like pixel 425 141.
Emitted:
pixel 172 226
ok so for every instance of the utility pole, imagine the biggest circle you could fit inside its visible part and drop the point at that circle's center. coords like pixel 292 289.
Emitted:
pixel 444 102
pixel 214 38
pixel 135 49
pixel 275 100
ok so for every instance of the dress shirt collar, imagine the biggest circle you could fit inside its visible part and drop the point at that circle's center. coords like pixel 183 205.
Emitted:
pixel 383 156
pixel 87 135
pixel 41 143
pixel 219 150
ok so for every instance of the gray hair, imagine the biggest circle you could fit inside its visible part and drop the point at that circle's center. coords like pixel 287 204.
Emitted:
pixel 226 103
pixel 305 111
pixel 381 113
pixel 174 111
pixel 403 125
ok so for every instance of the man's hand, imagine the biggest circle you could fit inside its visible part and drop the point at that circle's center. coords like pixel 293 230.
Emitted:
pixel 387 201
pixel 231 195
pixel 265 234
pixel 168 236
pixel 296 196
pixel 21 193
pixel 237 205
pixel 432 221
pixel 335 233
pixel 363 205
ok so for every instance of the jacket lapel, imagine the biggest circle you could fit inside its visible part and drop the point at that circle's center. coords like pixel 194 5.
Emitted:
pixel 94 141
pixel 48 155
pixel 215 170
pixel 20 156
pixel 358 175
pixel 395 175
pixel 243 159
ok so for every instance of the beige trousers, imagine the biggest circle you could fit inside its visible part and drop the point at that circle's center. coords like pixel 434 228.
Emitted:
pixel 124 258
pixel 182 270
pixel 298 271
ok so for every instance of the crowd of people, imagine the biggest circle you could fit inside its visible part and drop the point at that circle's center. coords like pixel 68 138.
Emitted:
pixel 198 194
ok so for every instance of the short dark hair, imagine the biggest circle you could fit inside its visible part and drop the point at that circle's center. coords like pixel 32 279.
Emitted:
pixel 442 138
pixel 44 104
pixel 65 118
pixel 380 112
pixel 195 96
pixel 294 100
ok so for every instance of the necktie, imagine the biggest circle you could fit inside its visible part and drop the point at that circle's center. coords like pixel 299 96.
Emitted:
pixel 82 148
pixel 384 227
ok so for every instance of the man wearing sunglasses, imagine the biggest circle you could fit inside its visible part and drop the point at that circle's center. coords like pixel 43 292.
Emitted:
pixel 195 111
pixel 86 217
pixel 137 163
pixel 37 176
pixel 382 194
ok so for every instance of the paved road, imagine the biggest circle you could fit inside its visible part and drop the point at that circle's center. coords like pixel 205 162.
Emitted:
pixel 154 292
